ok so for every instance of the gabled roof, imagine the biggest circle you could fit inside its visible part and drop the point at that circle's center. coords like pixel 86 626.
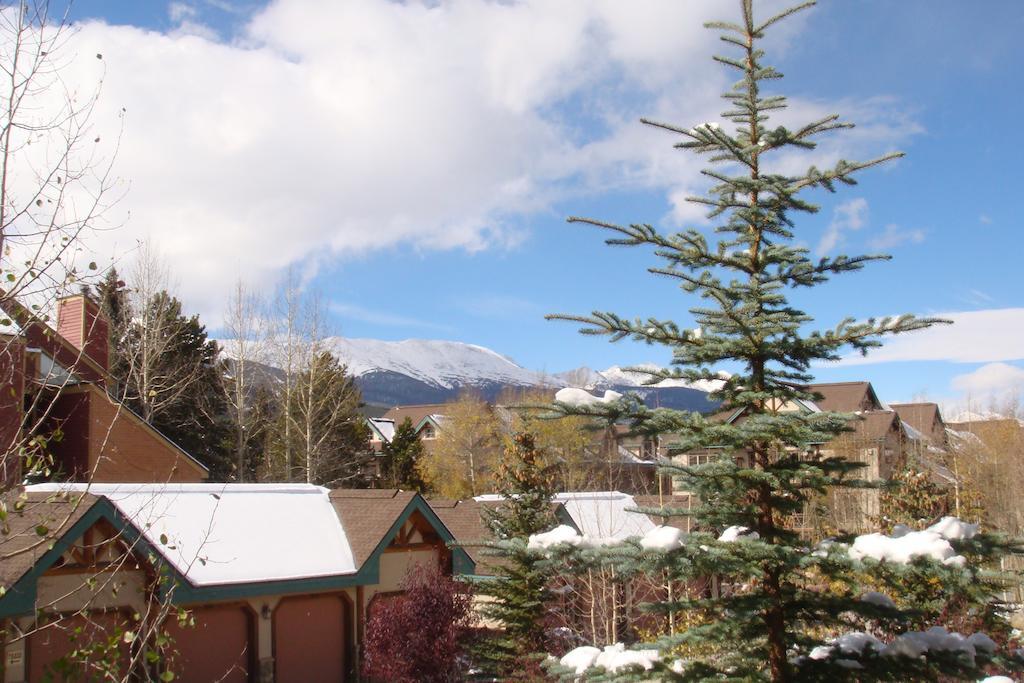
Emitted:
pixel 605 514
pixel 415 413
pixel 874 425
pixel 48 513
pixel 233 533
pixel 435 419
pixel 464 518
pixel 366 515
pixel 921 416
pixel 241 533
pixel 384 429
pixel 845 397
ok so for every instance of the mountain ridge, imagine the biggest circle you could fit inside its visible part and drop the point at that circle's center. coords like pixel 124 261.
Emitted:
pixel 417 371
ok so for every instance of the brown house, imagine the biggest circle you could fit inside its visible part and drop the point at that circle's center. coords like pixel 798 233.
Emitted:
pixel 278 578
pixel 926 420
pixel 58 399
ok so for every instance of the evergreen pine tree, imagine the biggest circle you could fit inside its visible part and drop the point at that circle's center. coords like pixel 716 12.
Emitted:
pixel 169 374
pixel 782 602
pixel 110 294
pixel 404 452
pixel 199 421
pixel 517 596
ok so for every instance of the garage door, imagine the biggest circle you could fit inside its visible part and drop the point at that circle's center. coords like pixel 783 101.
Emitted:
pixel 217 648
pixel 310 639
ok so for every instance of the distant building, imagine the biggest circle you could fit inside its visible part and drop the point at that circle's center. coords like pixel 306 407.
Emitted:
pixel 926 420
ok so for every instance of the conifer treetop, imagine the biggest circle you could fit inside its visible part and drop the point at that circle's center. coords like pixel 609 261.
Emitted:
pixel 786 595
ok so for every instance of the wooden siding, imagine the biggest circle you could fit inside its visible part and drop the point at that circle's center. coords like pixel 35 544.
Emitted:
pixel 123 448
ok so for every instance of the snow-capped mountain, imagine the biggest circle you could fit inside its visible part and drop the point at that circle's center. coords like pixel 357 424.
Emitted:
pixel 443 364
pixel 615 376
pixel 417 371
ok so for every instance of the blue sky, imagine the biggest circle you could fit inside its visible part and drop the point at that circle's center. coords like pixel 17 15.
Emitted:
pixel 416 163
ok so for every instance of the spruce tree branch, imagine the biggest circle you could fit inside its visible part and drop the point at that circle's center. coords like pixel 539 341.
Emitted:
pixel 841 172
pixel 782 15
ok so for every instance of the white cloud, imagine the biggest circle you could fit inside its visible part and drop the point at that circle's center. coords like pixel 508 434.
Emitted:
pixel 984 336
pixel 377 123
pixel 991 381
pixel 850 215
pixel 381 317
pixel 894 236
pixel 180 11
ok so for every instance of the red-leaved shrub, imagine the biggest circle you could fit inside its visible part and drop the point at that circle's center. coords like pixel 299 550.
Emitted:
pixel 416 636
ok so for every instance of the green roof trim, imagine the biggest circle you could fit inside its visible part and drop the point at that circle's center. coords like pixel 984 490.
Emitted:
pixel 21 597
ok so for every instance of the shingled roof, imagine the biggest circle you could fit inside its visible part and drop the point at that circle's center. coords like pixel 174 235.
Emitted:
pixel 32 527
pixel 845 397
pixel 873 425
pixel 924 417
pixel 366 515
pixel 415 413
pixel 463 518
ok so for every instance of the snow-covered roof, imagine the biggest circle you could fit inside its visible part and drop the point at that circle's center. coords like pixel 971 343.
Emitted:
pixel 384 427
pixel 233 533
pixel 597 514
pixel 603 514
pixel 911 432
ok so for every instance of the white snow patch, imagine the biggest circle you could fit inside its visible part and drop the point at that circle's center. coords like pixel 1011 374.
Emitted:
pixel 580 659
pixel 662 538
pixel 954 529
pixel 738 533
pixel 904 545
pixel 938 639
pixel 854 643
pixel 562 534
pixel 613 658
pixel 982 642
pixel 579 397
pixel 616 657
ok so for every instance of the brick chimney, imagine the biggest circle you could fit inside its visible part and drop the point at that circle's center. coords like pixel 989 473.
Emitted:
pixel 80 321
